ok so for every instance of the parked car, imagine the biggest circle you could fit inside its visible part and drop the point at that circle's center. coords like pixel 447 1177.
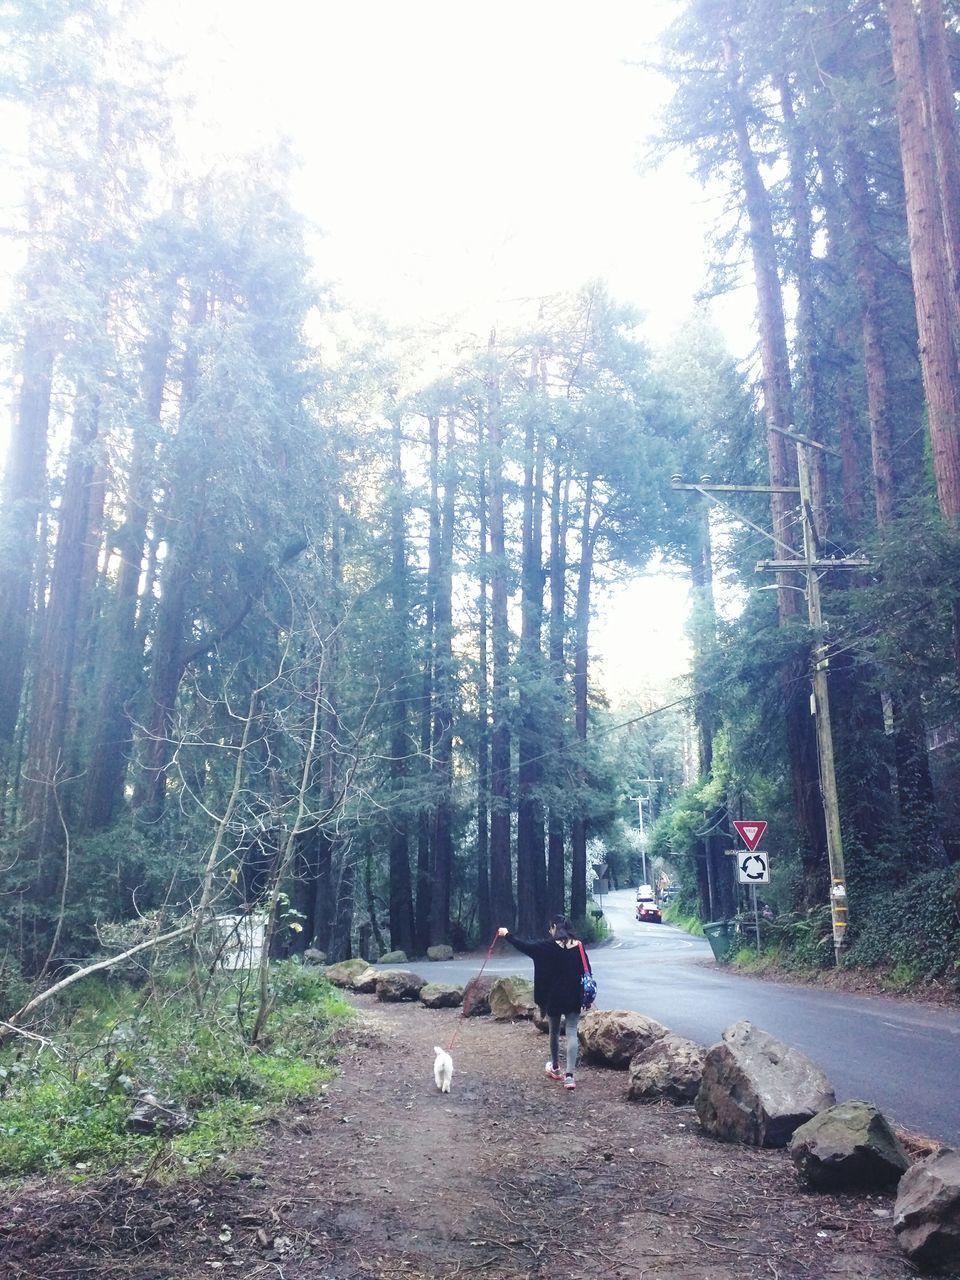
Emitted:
pixel 648 912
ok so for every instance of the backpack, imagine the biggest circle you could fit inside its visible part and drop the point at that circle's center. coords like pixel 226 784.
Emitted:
pixel 588 983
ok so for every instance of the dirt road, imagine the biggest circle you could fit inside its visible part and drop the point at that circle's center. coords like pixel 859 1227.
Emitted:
pixel 508 1176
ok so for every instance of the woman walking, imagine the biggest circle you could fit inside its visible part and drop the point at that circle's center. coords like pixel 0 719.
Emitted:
pixel 558 966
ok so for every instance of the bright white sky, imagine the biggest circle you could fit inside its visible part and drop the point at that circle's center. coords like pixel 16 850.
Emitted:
pixel 458 156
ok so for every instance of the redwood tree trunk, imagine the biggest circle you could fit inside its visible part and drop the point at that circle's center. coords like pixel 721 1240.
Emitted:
pixel 442 756
pixel 501 875
pixel 24 493
pixel 559 509
pixel 935 299
pixel 401 894
pixel 531 852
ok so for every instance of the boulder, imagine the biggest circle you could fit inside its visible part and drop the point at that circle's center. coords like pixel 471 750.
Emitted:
pixel 671 1068
pixel 926 1216
pixel 849 1145
pixel 163 1119
pixel 441 995
pixel 366 981
pixel 476 997
pixel 399 984
pixel 615 1036
pixel 394 957
pixel 512 998
pixel 313 956
pixel 757 1090
pixel 343 973
pixel 440 952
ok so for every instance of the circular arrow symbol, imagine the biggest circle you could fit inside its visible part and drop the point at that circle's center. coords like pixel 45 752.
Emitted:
pixel 760 870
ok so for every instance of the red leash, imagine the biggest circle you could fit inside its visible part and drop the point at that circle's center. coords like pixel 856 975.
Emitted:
pixel 496 938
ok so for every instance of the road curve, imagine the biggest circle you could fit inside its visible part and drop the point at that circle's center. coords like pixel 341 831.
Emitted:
pixel 901 1056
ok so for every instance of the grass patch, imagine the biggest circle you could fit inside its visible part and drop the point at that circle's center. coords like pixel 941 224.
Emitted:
pixel 689 924
pixel 70 1111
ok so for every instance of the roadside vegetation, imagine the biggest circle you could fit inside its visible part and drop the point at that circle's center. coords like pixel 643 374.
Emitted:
pixel 65 1098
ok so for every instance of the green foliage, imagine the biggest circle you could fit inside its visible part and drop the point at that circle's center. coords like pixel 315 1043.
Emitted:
pixel 61 1124
pixel 71 1112
pixel 912 929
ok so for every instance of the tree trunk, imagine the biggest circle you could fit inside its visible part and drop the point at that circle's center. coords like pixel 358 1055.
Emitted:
pixel 427 813
pixel 559 515
pixel 874 353
pixel 442 758
pixel 182 525
pixel 24 496
pixel 121 653
pixel 401 895
pixel 46 761
pixel 936 308
pixel 812 400
pixel 531 852
pixel 501 875
pixel 484 913
pixel 581 665
pixel 945 137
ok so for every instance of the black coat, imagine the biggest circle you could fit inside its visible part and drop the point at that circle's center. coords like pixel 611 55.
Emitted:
pixel 557 974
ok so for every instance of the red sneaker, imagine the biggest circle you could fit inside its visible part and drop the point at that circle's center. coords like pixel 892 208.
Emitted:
pixel 553 1072
pixel 569 1082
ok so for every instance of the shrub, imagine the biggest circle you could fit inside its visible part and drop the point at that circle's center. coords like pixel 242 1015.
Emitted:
pixel 915 928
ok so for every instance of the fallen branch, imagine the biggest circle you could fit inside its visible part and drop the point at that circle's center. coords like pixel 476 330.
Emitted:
pixel 10 1023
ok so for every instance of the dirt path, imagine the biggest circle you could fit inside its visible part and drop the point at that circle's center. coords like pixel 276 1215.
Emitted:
pixel 508 1176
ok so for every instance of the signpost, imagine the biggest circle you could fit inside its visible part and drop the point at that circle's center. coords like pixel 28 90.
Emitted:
pixel 753 868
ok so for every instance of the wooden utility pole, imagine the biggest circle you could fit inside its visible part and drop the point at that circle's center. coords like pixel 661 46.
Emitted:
pixel 812 567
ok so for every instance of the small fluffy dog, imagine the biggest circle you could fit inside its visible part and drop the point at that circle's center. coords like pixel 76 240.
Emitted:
pixel 442 1069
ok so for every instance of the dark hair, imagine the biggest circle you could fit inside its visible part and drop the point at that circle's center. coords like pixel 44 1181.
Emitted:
pixel 564 929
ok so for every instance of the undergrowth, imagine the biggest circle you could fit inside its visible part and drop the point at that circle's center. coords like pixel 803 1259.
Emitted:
pixel 64 1103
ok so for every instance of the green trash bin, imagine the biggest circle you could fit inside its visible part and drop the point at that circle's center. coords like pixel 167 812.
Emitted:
pixel 719 934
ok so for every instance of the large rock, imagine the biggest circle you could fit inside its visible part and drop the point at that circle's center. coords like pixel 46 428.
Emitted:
pixel 343 973
pixel 512 998
pixel 671 1068
pixel 399 984
pixel 926 1216
pixel 394 957
pixel 155 1117
pixel 441 995
pixel 849 1145
pixel 476 997
pixel 440 952
pixel 366 980
pixel 757 1090
pixel 313 956
pixel 614 1036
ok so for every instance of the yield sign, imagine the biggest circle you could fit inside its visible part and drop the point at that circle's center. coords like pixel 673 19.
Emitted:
pixel 750 832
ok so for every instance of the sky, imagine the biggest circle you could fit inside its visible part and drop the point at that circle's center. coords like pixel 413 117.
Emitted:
pixel 458 157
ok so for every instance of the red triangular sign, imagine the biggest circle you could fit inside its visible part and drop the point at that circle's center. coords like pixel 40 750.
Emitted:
pixel 750 832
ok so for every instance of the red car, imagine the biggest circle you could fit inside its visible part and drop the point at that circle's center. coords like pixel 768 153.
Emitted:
pixel 648 911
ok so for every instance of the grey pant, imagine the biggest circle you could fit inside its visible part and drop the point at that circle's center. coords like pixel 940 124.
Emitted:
pixel 573 1045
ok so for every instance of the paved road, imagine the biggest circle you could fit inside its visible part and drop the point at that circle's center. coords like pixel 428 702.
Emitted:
pixel 903 1057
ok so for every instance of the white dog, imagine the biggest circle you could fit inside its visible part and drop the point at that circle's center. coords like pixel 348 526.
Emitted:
pixel 442 1069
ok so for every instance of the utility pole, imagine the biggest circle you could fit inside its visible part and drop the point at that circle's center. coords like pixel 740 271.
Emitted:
pixel 812 566
pixel 643 840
